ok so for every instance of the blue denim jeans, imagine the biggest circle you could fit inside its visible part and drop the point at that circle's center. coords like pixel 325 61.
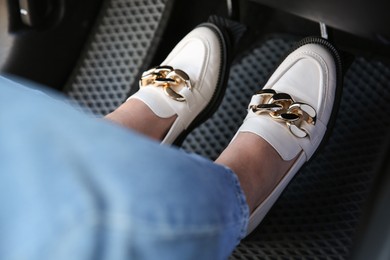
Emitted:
pixel 77 187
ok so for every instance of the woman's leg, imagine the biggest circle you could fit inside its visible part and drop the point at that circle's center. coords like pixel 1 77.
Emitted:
pixel 73 187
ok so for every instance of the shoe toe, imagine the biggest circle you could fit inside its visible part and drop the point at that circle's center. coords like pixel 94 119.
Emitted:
pixel 199 55
pixel 308 75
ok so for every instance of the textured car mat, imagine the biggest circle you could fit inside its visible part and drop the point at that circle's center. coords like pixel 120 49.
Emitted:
pixel 125 37
pixel 317 215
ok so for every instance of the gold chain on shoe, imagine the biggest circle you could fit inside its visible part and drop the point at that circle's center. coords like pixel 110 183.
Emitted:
pixel 170 79
pixel 283 108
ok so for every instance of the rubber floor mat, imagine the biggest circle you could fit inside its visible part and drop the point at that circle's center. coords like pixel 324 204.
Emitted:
pixel 124 39
pixel 317 215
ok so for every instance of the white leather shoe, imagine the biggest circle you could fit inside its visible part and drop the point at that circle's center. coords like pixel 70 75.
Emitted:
pixel 296 109
pixel 189 83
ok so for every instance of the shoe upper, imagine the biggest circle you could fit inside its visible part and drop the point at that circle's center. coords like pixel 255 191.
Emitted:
pixel 308 75
pixel 199 56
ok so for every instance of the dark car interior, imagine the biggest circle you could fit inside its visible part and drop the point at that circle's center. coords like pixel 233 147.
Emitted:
pixel 337 207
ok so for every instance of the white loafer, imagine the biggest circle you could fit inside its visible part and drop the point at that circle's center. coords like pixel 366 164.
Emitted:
pixel 296 109
pixel 190 83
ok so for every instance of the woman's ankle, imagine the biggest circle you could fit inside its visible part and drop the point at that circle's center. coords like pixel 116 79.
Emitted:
pixel 258 166
pixel 136 115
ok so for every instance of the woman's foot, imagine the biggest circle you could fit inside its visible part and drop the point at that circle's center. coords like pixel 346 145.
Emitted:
pixel 181 93
pixel 286 123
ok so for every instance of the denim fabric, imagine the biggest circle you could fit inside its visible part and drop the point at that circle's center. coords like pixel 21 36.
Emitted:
pixel 76 187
